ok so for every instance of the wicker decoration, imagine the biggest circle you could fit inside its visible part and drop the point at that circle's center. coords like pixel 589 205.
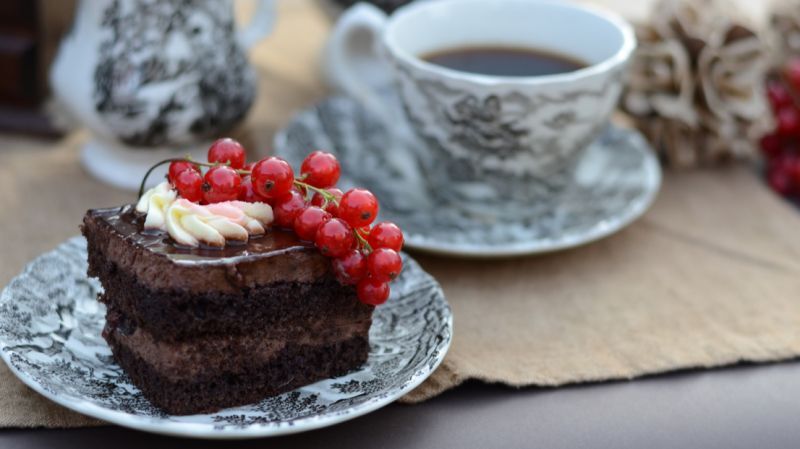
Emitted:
pixel 696 83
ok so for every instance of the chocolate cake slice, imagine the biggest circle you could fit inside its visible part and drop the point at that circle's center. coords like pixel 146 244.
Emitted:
pixel 200 329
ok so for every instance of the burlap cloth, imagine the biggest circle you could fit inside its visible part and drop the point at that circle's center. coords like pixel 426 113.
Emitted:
pixel 709 277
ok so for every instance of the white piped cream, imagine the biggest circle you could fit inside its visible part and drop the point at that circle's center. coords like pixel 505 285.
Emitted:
pixel 192 224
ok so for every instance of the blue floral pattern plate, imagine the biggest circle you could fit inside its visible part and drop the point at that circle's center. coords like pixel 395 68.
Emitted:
pixel 50 324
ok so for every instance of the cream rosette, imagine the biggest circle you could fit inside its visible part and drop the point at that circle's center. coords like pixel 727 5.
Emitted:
pixel 192 224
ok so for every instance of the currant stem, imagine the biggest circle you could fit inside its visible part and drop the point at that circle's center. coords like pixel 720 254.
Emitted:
pixel 364 244
pixel 184 159
pixel 327 196
pixel 217 164
pixel 150 170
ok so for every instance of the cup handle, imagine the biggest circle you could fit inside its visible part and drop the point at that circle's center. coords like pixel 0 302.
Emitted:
pixel 354 63
pixel 259 26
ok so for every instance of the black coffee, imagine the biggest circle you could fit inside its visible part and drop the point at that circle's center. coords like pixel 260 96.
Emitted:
pixel 504 61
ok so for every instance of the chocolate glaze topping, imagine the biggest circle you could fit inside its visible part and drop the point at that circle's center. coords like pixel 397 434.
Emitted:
pixel 129 224
pixel 155 260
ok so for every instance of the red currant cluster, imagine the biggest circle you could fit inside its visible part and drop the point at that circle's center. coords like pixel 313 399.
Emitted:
pixel 339 223
pixel 781 148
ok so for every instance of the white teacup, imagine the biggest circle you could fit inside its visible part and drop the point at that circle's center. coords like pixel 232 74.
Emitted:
pixel 493 143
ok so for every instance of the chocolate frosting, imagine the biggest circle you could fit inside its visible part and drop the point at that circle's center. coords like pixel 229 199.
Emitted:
pixel 156 260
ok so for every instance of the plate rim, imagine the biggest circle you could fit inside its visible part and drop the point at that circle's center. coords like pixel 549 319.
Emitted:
pixel 653 176
pixel 208 431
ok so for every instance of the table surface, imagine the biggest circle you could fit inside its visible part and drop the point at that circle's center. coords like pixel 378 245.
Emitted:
pixel 740 407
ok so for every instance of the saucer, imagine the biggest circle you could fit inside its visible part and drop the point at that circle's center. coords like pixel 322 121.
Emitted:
pixel 615 182
pixel 50 337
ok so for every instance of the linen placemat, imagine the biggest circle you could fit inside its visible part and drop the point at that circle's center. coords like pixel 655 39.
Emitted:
pixel 709 277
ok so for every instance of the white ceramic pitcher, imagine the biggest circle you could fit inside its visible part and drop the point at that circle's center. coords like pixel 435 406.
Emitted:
pixel 153 79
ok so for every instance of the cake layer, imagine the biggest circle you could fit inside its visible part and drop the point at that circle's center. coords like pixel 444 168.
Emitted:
pixel 292 366
pixel 177 315
pixel 158 263
pixel 151 281
pixel 195 358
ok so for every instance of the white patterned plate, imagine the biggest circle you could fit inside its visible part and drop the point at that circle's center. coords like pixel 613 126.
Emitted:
pixel 616 181
pixel 50 324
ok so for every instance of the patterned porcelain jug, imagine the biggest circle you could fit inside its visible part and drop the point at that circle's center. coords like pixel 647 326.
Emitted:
pixel 151 77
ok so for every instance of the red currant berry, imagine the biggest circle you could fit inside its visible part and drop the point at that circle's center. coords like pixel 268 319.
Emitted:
pixel 222 184
pixel 272 177
pixel 771 145
pixel 780 181
pixel 386 235
pixel 372 292
pixel 189 184
pixel 792 73
pixel 778 95
pixel 248 193
pixel 384 264
pixel 358 207
pixel 308 221
pixel 790 164
pixel 334 238
pixel 176 167
pixel 350 268
pixel 318 200
pixel 227 151
pixel 287 208
pixel 320 169
pixel 788 121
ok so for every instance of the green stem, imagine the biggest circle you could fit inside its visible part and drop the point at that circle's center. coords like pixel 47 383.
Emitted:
pixel 183 159
pixel 150 170
pixel 362 241
pixel 329 197
pixel 217 164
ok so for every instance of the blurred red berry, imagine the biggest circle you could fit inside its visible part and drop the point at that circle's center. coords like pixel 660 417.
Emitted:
pixel 189 184
pixel 780 181
pixel 790 164
pixel 386 235
pixel 272 177
pixel 792 73
pixel 358 207
pixel 287 208
pixel 350 268
pixel 176 167
pixel 221 184
pixel 308 221
pixel 778 95
pixel 248 193
pixel 372 292
pixel 320 169
pixel 384 264
pixel 771 145
pixel 227 150
pixel 788 122
pixel 334 238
